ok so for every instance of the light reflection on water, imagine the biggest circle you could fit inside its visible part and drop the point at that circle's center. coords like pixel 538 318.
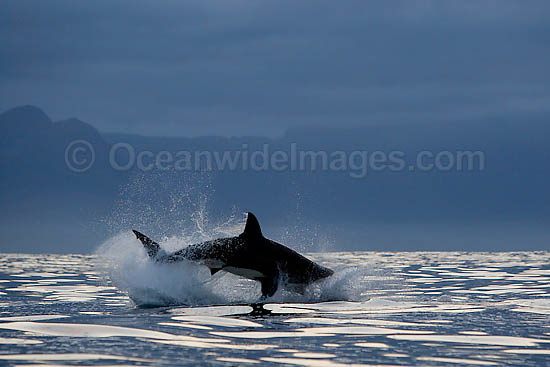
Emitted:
pixel 414 309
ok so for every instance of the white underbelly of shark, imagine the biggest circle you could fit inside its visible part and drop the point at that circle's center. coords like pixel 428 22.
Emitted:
pixel 247 273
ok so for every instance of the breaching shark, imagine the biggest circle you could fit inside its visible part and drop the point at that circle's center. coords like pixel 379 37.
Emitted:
pixel 249 255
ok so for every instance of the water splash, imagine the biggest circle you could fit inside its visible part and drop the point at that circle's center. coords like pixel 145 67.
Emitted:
pixel 186 283
pixel 163 204
pixel 174 210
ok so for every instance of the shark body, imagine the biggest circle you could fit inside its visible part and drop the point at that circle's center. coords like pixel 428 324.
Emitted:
pixel 249 255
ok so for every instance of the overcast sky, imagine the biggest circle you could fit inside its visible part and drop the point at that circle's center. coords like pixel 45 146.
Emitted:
pixel 258 67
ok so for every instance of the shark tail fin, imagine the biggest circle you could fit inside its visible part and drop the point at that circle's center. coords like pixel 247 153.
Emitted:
pixel 151 246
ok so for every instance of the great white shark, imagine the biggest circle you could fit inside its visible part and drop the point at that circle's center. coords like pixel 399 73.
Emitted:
pixel 249 255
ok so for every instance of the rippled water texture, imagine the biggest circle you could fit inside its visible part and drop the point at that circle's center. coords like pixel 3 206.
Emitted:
pixel 441 309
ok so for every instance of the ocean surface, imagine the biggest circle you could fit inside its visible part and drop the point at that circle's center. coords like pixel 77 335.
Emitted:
pixel 383 309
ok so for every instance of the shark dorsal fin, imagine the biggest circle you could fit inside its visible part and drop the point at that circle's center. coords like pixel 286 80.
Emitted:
pixel 252 227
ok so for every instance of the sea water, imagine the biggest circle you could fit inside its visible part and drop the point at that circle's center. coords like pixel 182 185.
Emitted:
pixel 390 309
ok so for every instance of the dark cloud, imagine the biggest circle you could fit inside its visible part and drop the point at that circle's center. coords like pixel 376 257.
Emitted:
pixel 248 67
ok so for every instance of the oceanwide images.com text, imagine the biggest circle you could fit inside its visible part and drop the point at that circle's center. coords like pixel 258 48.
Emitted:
pixel 80 156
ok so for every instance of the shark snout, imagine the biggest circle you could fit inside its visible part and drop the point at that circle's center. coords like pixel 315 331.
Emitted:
pixel 326 272
pixel 320 272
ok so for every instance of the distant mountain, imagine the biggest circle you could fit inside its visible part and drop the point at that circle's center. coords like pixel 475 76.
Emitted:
pixel 73 128
pixel 24 119
pixel 45 205
pixel 50 205
pixel 33 151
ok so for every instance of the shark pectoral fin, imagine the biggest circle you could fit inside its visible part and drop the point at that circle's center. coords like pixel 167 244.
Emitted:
pixel 269 285
pixel 214 271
